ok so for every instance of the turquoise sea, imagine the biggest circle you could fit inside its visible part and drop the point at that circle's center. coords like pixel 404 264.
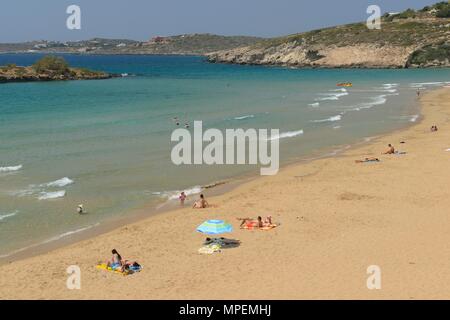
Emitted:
pixel 106 143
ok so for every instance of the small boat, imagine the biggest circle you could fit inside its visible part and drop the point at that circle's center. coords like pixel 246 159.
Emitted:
pixel 346 84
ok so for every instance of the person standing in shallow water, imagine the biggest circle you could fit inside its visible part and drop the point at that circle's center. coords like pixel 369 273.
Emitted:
pixel 182 198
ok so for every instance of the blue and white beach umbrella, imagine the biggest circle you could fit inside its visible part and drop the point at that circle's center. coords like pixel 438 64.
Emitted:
pixel 215 227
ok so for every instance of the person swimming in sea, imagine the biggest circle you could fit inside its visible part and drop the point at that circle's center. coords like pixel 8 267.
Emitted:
pixel 175 119
pixel 80 209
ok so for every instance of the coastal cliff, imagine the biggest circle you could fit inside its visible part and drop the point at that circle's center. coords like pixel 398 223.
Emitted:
pixel 408 39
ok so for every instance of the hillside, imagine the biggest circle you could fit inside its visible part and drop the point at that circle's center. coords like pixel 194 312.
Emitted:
pixel 409 39
pixel 194 44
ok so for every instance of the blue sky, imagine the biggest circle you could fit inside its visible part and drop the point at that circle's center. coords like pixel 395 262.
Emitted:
pixel 23 20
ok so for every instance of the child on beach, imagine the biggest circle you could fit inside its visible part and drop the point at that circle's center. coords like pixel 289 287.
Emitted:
pixel 182 197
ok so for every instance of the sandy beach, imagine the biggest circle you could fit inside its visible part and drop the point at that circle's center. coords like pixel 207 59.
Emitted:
pixel 337 218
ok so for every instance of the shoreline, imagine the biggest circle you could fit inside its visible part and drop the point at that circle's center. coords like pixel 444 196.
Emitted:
pixel 149 210
pixel 335 215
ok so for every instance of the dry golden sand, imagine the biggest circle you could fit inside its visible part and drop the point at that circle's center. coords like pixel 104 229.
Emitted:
pixel 337 218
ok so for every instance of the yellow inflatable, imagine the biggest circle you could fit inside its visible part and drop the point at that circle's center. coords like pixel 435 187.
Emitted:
pixel 347 84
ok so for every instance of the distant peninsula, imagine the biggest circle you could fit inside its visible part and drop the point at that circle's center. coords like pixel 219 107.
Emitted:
pixel 49 68
pixel 185 44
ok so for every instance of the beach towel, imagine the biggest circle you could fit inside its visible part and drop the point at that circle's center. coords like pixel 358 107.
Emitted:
pixel 253 227
pixel 223 242
pixel 371 161
pixel 131 270
pixel 399 153
pixel 210 248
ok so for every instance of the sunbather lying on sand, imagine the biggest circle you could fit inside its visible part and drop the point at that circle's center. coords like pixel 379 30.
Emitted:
pixel 368 160
pixel 390 150
pixel 200 203
pixel 258 223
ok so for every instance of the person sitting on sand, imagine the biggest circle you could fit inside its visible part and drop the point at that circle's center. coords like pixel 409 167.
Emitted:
pixel 434 128
pixel 200 203
pixel 390 150
pixel 116 260
pixel 368 160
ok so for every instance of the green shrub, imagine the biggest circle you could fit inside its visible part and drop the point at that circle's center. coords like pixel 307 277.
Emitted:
pixel 313 55
pixel 443 13
pixel 430 53
pixel 410 13
pixel 52 64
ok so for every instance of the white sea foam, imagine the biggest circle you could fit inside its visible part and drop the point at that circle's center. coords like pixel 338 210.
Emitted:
pixel 173 195
pixel 337 127
pixel 288 134
pixel 12 168
pixel 375 101
pixel 421 85
pixel 316 104
pixel 330 119
pixel 25 192
pixel 333 95
pixel 414 118
pixel 52 195
pixel 58 237
pixel 388 86
pixel 69 233
pixel 40 189
pixel 58 183
pixel 7 215
pixel 244 117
